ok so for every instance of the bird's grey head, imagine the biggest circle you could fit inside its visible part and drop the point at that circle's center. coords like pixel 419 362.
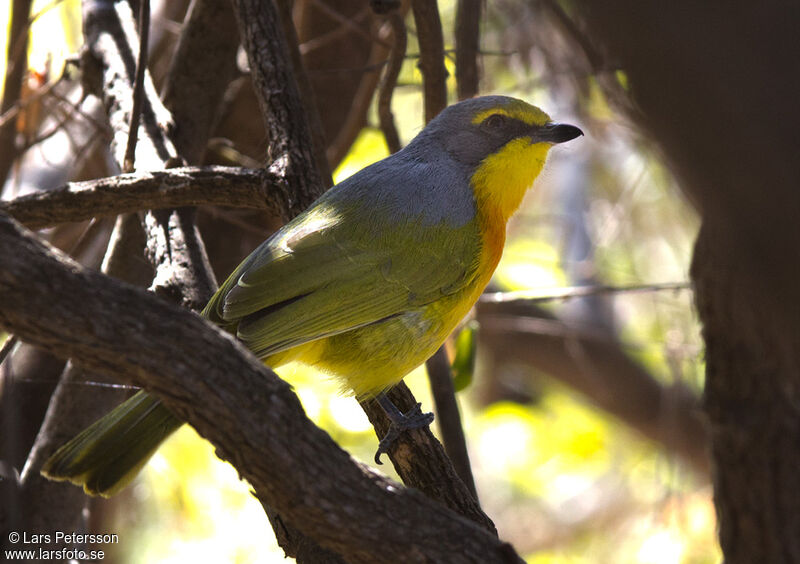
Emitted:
pixel 471 130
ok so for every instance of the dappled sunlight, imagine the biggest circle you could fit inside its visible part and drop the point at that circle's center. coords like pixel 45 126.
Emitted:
pixel 564 481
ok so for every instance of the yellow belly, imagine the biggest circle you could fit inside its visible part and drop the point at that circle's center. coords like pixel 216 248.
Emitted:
pixel 374 358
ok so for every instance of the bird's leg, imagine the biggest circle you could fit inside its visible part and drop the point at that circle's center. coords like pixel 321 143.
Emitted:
pixel 400 422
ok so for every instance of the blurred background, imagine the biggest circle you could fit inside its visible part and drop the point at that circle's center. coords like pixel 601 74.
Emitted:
pixel 582 412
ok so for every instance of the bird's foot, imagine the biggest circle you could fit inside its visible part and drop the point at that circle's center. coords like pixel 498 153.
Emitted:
pixel 413 419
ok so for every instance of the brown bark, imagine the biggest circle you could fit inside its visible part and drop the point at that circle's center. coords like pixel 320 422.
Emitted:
pixel 307 95
pixel 290 149
pixel 290 463
pixel 188 186
pixel 467 34
pixel 431 56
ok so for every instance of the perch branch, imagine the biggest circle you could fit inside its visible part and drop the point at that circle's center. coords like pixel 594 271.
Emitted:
pixel 254 420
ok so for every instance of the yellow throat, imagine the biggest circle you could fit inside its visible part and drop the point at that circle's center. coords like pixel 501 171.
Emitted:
pixel 502 179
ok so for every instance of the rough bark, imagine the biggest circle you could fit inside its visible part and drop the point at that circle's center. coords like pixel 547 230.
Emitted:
pixel 307 95
pixel 254 420
pixel 290 149
pixel 187 186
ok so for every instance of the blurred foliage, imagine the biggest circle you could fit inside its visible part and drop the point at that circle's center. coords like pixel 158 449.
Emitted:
pixel 563 481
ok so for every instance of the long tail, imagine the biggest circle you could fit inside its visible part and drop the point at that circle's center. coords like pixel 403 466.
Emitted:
pixel 107 455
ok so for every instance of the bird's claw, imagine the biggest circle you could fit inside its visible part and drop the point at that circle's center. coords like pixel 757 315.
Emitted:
pixel 413 419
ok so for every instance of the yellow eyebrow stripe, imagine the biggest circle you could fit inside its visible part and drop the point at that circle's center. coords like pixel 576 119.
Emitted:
pixel 515 110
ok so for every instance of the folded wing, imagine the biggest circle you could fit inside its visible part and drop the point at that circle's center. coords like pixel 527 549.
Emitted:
pixel 325 274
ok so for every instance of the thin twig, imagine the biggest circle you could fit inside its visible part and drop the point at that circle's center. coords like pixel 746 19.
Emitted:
pixel 593 56
pixel 448 416
pixel 389 81
pixel 349 22
pixel 357 116
pixel 550 295
pixel 290 143
pixel 35 96
pixel 323 40
pixel 138 87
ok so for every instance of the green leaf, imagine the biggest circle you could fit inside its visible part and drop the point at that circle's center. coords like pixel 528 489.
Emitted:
pixel 463 366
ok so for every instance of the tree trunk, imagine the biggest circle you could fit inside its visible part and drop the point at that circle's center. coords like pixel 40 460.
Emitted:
pixel 717 87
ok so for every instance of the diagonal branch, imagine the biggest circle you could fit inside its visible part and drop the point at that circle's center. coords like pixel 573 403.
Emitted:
pixel 110 69
pixel 254 420
pixel 174 246
pixel 595 365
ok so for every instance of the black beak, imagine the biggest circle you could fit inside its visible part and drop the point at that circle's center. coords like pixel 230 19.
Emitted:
pixel 557 133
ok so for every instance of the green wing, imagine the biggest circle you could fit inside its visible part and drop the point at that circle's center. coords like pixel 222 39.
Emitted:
pixel 326 273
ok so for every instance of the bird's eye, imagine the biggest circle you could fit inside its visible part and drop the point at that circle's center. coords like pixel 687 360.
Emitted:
pixel 495 121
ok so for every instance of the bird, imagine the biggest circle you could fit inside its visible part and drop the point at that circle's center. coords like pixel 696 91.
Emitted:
pixel 367 283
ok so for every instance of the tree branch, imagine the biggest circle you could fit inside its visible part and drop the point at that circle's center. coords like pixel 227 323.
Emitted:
pixel 357 115
pixel 254 420
pixel 389 81
pixel 195 86
pixel 467 34
pixel 186 186
pixel 51 506
pixel 311 111
pixel 596 366
pixel 110 36
pixel 422 463
pixel 129 159
pixel 431 56
pixel 448 417
pixel 290 142
pixel 16 63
